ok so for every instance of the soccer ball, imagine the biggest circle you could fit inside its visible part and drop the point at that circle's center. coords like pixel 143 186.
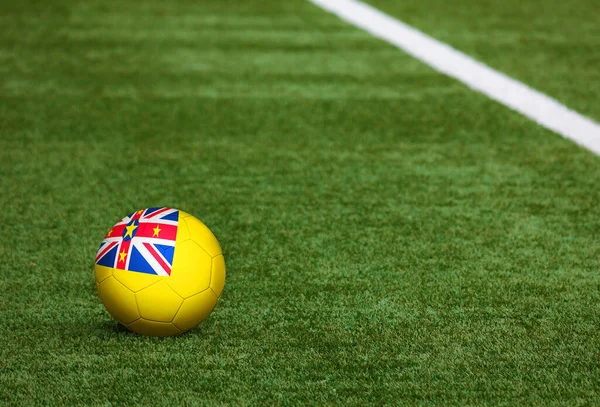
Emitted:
pixel 160 271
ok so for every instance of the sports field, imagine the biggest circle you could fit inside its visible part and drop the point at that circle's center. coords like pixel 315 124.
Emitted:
pixel 391 236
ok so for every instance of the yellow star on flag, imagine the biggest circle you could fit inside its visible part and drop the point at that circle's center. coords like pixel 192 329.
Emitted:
pixel 123 254
pixel 130 229
pixel 156 231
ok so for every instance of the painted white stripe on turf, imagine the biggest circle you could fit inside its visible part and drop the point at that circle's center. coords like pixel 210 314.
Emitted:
pixel 533 104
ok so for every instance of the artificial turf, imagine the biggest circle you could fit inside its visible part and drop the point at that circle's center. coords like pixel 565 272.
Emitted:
pixel 550 45
pixel 391 237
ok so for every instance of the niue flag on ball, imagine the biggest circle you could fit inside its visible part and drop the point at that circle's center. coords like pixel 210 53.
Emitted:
pixel 143 242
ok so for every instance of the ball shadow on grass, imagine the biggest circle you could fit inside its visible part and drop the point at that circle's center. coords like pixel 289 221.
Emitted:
pixel 205 329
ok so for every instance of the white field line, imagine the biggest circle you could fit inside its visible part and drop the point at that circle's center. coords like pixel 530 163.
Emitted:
pixel 529 102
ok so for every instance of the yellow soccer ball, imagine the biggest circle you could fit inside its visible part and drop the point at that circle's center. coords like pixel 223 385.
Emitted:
pixel 160 271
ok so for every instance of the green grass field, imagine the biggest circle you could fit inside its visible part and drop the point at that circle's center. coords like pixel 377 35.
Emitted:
pixel 391 237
